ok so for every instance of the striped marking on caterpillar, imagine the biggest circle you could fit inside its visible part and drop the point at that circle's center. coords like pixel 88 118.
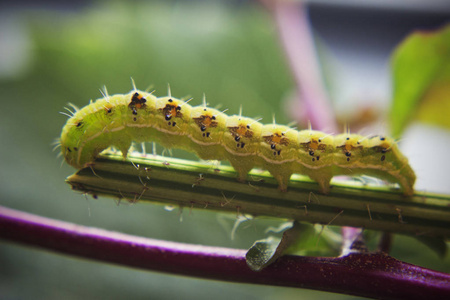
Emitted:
pixel 139 116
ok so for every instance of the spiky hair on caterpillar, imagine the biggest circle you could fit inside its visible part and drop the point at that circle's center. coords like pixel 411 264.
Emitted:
pixel 139 116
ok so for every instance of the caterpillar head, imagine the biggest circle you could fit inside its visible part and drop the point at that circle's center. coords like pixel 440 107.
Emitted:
pixel 71 145
pixel 90 130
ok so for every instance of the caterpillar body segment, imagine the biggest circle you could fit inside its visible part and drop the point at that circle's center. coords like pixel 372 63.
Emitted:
pixel 138 116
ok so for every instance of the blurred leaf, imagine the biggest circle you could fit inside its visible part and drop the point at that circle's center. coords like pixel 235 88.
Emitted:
pixel 438 245
pixel 421 74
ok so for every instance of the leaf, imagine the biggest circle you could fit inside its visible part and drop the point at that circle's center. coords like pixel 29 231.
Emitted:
pixel 438 245
pixel 421 80
pixel 265 252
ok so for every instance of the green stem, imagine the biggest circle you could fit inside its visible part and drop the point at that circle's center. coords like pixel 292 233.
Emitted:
pixel 191 184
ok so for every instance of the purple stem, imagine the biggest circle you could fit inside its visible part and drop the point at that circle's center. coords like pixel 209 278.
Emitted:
pixel 369 275
pixel 295 35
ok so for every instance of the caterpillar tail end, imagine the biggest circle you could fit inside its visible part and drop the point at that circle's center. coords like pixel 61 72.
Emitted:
pixel 407 178
pixel 407 186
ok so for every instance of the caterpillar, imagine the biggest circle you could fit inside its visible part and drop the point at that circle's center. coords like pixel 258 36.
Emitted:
pixel 121 119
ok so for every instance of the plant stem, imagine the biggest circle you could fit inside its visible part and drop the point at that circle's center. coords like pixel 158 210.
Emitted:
pixel 195 185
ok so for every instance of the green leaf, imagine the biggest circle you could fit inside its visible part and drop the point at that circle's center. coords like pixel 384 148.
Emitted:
pixel 438 245
pixel 421 75
pixel 265 252
pixel 262 253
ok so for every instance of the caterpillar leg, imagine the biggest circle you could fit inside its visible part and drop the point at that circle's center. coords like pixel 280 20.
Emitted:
pixel 124 147
pixel 323 178
pixel 282 174
pixel 408 178
pixel 324 186
pixel 283 181
pixel 124 153
pixel 241 168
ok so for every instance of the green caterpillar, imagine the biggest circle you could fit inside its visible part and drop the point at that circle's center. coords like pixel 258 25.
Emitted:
pixel 139 116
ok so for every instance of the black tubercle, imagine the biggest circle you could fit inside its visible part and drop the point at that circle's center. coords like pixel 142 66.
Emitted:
pixel 137 102
pixel 138 99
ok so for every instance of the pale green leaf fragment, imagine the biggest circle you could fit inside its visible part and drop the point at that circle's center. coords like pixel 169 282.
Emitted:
pixel 262 253
pixel 421 80
pixel 265 252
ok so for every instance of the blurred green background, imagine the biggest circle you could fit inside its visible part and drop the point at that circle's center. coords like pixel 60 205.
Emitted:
pixel 51 56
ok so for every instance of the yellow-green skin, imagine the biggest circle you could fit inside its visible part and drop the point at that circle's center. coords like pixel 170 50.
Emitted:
pixel 139 117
